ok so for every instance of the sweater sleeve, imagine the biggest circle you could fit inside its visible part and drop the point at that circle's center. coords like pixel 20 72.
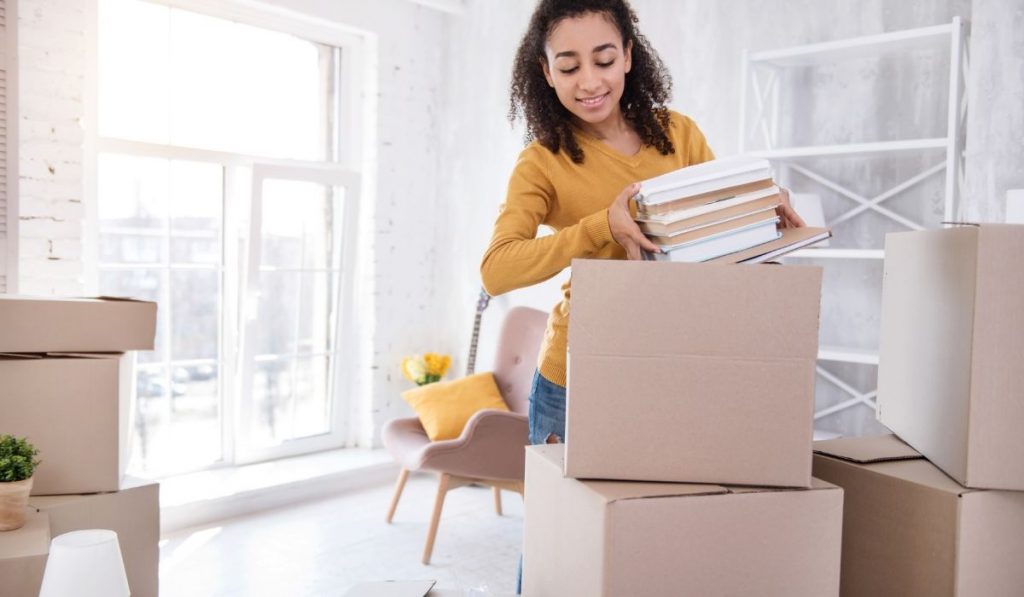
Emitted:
pixel 516 258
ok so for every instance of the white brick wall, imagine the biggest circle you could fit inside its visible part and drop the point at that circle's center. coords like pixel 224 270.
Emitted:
pixel 51 60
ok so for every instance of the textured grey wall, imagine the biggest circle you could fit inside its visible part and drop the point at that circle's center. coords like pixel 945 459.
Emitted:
pixel 873 99
pixel 995 126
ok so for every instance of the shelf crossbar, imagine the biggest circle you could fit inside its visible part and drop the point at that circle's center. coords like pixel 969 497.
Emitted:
pixel 856 197
pixel 853 47
pixel 845 149
pixel 856 397
pixel 896 190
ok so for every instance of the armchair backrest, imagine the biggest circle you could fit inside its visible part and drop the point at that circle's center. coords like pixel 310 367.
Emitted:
pixel 516 360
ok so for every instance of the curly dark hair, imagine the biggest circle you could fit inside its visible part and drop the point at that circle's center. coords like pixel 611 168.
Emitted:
pixel 648 83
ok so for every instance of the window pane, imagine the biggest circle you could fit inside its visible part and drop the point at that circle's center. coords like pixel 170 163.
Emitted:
pixel 195 314
pixel 315 318
pixel 178 77
pixel 132 208
pixel 300 223
pixel 196 202
pixel 177 426
pixel 278 313
pixel 291 399
pixel 133 56
pixel 143 284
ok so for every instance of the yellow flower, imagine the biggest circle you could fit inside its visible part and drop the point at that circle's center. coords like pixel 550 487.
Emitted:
pixel 414 369
pixel 437 364
pixel 425 369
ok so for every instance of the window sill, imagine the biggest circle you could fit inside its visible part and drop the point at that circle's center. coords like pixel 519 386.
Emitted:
pixel 207 496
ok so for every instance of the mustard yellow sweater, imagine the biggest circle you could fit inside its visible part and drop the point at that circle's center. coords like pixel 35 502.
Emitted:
pixel 573 200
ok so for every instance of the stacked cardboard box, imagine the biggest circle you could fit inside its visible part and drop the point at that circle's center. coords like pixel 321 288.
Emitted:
pixel 65 384
pixel 949 384
pixel 687 463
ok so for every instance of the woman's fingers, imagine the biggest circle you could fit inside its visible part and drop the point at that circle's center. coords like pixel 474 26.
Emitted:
pixel 788 215
pixel 791 219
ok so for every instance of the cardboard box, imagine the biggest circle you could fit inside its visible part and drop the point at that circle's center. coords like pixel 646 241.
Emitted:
pixel 607 538
pixel 950 373
pixel 692 372
pixel 911 531
pixel 69 407
pixel 134 514
pixel 36 324
pixel 23 556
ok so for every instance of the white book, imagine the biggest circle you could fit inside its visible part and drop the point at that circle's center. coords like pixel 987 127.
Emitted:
pixel 720 244
pixel 703 178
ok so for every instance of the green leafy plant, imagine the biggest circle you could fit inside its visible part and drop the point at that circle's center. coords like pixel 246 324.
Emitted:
pixel 17 459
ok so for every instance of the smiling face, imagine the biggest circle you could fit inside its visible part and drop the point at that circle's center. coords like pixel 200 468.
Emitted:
pixel 586 65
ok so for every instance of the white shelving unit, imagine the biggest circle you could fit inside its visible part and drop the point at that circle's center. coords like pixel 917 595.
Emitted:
pixel 761 76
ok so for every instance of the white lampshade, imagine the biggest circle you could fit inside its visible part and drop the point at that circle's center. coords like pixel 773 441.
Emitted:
pixel 85 564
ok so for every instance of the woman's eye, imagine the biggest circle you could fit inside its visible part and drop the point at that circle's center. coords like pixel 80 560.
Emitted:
pixel 605 64
pixel 569 71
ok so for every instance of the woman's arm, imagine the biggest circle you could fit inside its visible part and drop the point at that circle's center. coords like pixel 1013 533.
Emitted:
pixel 516 258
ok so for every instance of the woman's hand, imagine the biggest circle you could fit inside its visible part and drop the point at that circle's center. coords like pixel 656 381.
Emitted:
pixel 624 229
pixel 788 218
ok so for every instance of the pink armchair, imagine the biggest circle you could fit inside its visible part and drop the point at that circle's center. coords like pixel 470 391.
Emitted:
pixel 490 450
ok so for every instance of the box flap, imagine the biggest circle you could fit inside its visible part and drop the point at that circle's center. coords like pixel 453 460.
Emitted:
pixel 816 484
pixel 888 455
pixel 866 450
pixel 610 491
pixel 694 309
pixel 73 299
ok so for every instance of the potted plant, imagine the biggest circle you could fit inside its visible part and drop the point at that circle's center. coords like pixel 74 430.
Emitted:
pixel 17 463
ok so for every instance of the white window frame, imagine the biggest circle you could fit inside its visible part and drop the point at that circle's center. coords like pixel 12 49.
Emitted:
pixel 354 155
pixel 342 376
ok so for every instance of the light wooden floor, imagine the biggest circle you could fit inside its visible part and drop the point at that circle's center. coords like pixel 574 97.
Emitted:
pixel 322 548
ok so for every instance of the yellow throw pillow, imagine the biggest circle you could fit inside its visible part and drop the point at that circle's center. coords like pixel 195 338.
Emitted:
pixel 444 407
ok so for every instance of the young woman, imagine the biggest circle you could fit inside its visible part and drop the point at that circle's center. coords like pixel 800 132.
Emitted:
pixel 593 94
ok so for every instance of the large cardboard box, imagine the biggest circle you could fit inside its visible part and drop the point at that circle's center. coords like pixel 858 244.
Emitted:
pixel 911 531
pixel 951 366
pixel 36 324
pixel 134 514
pixel 692 372
pixel 70 407
pixel 608 538
pixel 23 556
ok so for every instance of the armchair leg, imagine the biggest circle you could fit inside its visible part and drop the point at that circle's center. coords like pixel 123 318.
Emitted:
pixel 497 500
pixel 442 489
pixel 399 486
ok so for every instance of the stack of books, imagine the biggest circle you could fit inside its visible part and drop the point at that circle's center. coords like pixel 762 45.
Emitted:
pixel 722 210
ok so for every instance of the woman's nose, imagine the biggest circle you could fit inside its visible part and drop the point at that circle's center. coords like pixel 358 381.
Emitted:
pixel 589 80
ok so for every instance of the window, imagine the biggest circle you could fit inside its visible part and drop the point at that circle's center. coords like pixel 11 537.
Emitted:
pixel 246 257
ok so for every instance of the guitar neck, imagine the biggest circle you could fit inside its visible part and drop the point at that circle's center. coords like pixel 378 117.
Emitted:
pixel 471 361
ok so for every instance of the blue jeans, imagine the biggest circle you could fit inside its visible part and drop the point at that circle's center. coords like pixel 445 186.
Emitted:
pixel 547 419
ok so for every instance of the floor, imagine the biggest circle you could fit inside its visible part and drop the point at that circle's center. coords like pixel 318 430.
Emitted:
pixel 325 547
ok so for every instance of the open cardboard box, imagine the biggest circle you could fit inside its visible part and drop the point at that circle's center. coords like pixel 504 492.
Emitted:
pixel 951 364
pixel 911 531
pixel 692 372
pixel 614 538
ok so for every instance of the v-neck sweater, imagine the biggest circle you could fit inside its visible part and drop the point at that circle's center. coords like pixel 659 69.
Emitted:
pixel 572 199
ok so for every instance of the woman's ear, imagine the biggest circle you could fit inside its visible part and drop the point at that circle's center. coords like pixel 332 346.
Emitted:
pixel 547 71
pixel 627 61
